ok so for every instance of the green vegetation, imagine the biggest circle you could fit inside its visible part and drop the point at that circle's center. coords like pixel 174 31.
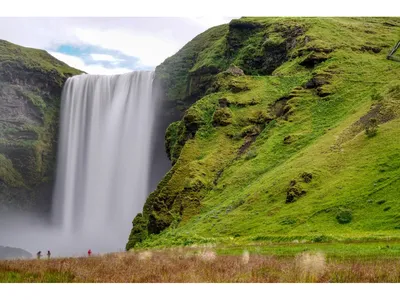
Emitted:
pixel 294 153
pixel 31 82
pixel 17 58
pixel 46 277
pixel 372 127
pixel 8 173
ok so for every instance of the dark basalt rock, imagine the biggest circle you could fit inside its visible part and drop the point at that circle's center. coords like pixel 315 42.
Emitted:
pixel 294 192
pixel 287 140
pixel 235 71
pixel 31 83
pixel 371 49
pixel 307 177
pixel 316 81
pixel 237 87
pixel 313 60
pixel 241 24
pixel 223 102
pixel 281 108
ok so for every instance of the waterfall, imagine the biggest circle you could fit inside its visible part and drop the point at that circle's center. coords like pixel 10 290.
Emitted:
pixel 103 157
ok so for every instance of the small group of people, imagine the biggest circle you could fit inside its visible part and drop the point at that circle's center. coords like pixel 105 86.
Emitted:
pixel 39 254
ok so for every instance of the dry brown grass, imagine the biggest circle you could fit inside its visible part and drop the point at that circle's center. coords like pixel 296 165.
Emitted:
pixel 310 266
pixel 191 265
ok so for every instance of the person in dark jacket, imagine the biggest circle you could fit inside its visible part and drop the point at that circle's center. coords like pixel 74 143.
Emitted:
pixel 48 254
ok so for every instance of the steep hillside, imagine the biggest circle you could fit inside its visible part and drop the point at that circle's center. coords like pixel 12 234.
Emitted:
pixel 31 82
pixel 294 134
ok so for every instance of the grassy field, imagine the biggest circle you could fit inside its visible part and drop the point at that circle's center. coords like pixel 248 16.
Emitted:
pixel 260 262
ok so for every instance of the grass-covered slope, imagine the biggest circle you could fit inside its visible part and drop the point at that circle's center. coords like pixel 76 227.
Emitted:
pixel 31 82
pixel 304 146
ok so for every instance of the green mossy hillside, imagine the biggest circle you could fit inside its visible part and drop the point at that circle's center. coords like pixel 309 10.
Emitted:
pixel 293 160
pixel 15 58
pixel 31 82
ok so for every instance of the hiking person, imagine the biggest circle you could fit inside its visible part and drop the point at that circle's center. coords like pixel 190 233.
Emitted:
pixel 48 254
pixel 89 252
pixel 39 254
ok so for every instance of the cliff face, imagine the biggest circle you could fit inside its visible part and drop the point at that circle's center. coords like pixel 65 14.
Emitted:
pixel 289 130
pixel 31 83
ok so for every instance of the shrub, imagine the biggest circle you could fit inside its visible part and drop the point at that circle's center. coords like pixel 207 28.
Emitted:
pixel 344 216
pixel 376 96
pixel 394 90
pixel 372 128
pixel 250 154
pixel 320 239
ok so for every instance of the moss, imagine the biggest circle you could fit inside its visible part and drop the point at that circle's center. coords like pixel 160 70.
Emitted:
pixel 372 127
pixel 222 117
pixel 251 44
pixel 32 59
pixel 260 117
pixel 175 139
pixel 173 73
pixel 8 174
pixel 250 130
pixel 314 129
pixel 29 144
pixel 138 232
pixel 36 100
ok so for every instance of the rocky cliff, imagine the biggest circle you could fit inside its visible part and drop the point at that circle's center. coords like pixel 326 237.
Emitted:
pixel 31 83
pixel 289 130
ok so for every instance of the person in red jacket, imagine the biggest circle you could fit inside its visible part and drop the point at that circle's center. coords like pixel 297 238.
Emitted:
pixel 89 252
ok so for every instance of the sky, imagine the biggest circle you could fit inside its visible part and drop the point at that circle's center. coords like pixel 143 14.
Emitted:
pixel 107 45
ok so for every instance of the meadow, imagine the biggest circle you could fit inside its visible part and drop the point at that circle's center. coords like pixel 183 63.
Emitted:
pixel 257 263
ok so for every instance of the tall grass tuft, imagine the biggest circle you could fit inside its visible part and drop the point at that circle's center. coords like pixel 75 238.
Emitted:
pixel 207 255
pixel 145 255
pixel 245 257
pixel 311 266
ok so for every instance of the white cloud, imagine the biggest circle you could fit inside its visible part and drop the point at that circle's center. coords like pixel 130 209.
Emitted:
pixel 151 51
pixel 105 57
pixel 78 63
pixel 207 22
pixel 151 40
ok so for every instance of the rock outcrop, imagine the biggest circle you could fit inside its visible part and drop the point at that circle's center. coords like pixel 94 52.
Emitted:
pixel 31 83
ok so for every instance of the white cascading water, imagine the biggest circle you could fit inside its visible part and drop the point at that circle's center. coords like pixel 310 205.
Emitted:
pixel 103 157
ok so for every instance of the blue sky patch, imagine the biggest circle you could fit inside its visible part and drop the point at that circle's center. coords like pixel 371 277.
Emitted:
pixel 107 58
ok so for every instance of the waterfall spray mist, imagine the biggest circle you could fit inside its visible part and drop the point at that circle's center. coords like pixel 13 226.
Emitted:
pixel 103 167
